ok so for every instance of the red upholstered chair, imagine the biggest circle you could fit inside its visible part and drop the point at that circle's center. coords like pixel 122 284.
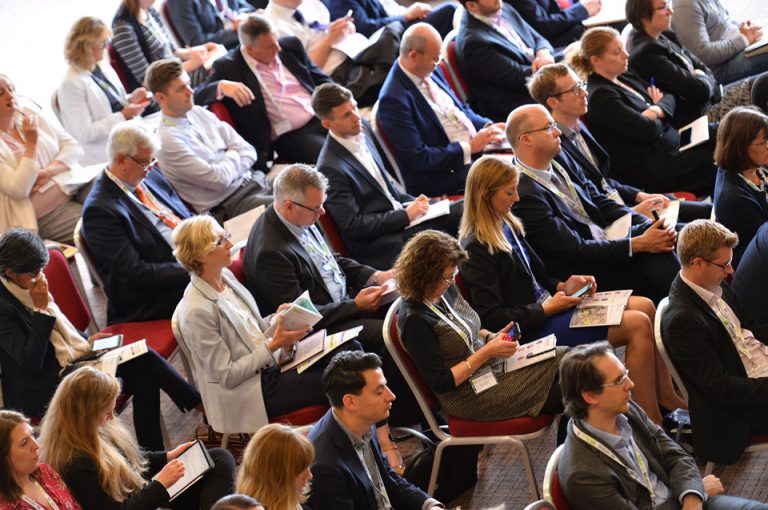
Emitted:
pixel 222 113
pixel 168 21
pixel 117 65
pixel 462 287
pixel 514 431
pixel 332 233
pixel 552 491
pixel 385 144
pixel 450 67
pixel 237 267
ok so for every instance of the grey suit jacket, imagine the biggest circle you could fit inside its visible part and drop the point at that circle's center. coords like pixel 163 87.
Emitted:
pixel 226 361
pixel 592 481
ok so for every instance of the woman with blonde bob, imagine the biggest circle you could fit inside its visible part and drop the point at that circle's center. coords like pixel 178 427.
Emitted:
pixel 275 468
pixel 507 281
pixel 100 461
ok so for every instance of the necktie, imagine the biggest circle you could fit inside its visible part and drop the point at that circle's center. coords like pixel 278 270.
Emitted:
pixel 315 25
pixel 166 216
pixel 583 147
pixel 446 105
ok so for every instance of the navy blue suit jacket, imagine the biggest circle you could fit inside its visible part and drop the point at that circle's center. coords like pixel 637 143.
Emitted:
pixel 368 15
pixel 750 281
pixel 430 163
pixel 341 480
pixel 739 207
pixel 371 229
pixel 196 21
pixel 142 279
pixel 494 68
pixel 252 121
pixel 560 26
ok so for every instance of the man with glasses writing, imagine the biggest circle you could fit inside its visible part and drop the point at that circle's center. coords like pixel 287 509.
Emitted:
pixel 723 365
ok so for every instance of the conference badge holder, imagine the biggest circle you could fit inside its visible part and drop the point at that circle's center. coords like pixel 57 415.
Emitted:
pixel 483 380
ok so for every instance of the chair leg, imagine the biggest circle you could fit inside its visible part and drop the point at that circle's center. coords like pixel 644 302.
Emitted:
pixel 532 484
pixel 435 468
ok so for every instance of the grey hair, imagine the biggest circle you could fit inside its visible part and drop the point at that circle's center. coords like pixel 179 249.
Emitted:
pixel 126 138
pixel 252 28
pixel 293 182
pixel 414 39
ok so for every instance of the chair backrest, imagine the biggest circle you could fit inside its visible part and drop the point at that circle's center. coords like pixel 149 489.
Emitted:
pixel 117 65
pixel 168 21
pixel 82 247
pixel 237 267
pixel 332 233
pixel 541 504
pixel 222 113
pixel 384 143
pixel 660 345
pixel 625 34
pixel 180 339
pixel 461 285
pixel 450 67
pixel 55 103
pixel 424 396
pixel 552 491
pixel 63 288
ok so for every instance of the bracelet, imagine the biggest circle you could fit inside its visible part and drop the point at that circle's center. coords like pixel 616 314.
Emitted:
pixel 376 278
pixel 468 365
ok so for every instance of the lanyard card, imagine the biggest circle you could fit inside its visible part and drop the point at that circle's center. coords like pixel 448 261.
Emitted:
pixel 483 380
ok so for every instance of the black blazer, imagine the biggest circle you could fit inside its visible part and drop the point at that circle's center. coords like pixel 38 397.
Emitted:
pixel 720 396
pixel 370 228
pixel 142 278
pixel 342 481
pixel 660 59
pixel 278 269
pixel 500 288
pixel 368 15
pixel 252 121
pixel 494 68
pixel 750 281
pixel 560 26
pixel 739 207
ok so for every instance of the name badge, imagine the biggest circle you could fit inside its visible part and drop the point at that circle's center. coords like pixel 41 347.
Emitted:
pixel 483 380
pixel 614 195
pixel 282 127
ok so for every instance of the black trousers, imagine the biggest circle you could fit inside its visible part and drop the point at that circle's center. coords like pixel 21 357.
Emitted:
pixel 214 485
pixel 302 145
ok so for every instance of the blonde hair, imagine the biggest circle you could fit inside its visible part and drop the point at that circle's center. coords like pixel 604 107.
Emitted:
pixel 592 44
pixel 193 238
pixel 85 32
pixel 487 175
pixel 71 430
pixel 702 239
pixel 272 461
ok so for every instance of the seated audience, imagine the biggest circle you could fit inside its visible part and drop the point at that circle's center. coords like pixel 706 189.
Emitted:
pixel 721 362
pixel 282 78
pixel 632 119
pixel 432 134
pixel 127 223
pixel 507 281
pixel 658 57
pixel 706 29
pixel 558 88
pixel 98 459
pixel 275 467
pixel 204 158
pixel 450 348
pixel 497 52
pixel 749 282
pixel 91 100
pixel 370 15
pixel 741 189
pixel 141 37
pixel 32 152
pixel 309 21
pixel 237 502
pixel 27 484
pixel 40 345
pixel 614 457
pixel 349 470
pixel 287 255
pixel 235 362
pixel 565 218
pixel 199 22
pixel 372 215
pixel 559 21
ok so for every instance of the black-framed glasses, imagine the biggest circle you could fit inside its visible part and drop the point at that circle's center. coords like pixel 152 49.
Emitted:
pixel 149 164
pixel 549 128
pixel 580 86
pixel 224 236
pixel 619 382
pixel 721 266
pixel 314 210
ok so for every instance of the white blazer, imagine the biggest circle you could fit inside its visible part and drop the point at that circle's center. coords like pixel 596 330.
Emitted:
pixel 84 111
pixel 226 361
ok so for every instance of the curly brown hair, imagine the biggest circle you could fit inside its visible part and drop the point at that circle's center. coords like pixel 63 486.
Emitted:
pixel 419 267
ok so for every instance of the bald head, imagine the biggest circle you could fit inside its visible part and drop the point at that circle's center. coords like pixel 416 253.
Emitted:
pixel 531 132
pixel 420 49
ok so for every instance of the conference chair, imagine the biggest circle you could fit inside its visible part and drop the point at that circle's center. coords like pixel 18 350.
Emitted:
pixel 331 231
pixel 540 505
pixel 386 146
pixel 450 67
pixel 552 491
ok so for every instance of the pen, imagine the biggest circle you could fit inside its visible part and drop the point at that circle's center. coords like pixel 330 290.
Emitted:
pixel 349 14
pixel 653 82
pixel 534 354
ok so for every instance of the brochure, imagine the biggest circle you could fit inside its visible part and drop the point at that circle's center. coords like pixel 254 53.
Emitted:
pixel 301 314
pixel 330 343
pixel 304 349
pixel 531 352
pixel 439 208
pixel 602 309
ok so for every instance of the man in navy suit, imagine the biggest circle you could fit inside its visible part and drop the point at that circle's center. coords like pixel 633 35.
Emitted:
pixel 433 135
pixel 349 470
pixel 131 241
pixel 497 52
pixel 370 211
pixel 565 218
pixel 282 78
pixel 560 25
pixel 202 21
pixel 370 15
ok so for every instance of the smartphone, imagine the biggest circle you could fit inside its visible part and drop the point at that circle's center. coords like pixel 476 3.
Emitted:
pixel 103 344
pixel 514 334
pixel 582 290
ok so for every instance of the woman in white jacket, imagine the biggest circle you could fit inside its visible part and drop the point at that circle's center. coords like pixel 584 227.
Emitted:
pixel 91 99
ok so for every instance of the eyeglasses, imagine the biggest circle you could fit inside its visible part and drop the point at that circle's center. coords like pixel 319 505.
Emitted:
pixel 721 266
pixel 663 7
pixel 549 128
pixel 581 86
pixel 435 60
pixel 104 44
pixel 149 164
pixel 314 210
pixel 224 236
pixel 452 279
pixel 761 143
pixel 620 382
